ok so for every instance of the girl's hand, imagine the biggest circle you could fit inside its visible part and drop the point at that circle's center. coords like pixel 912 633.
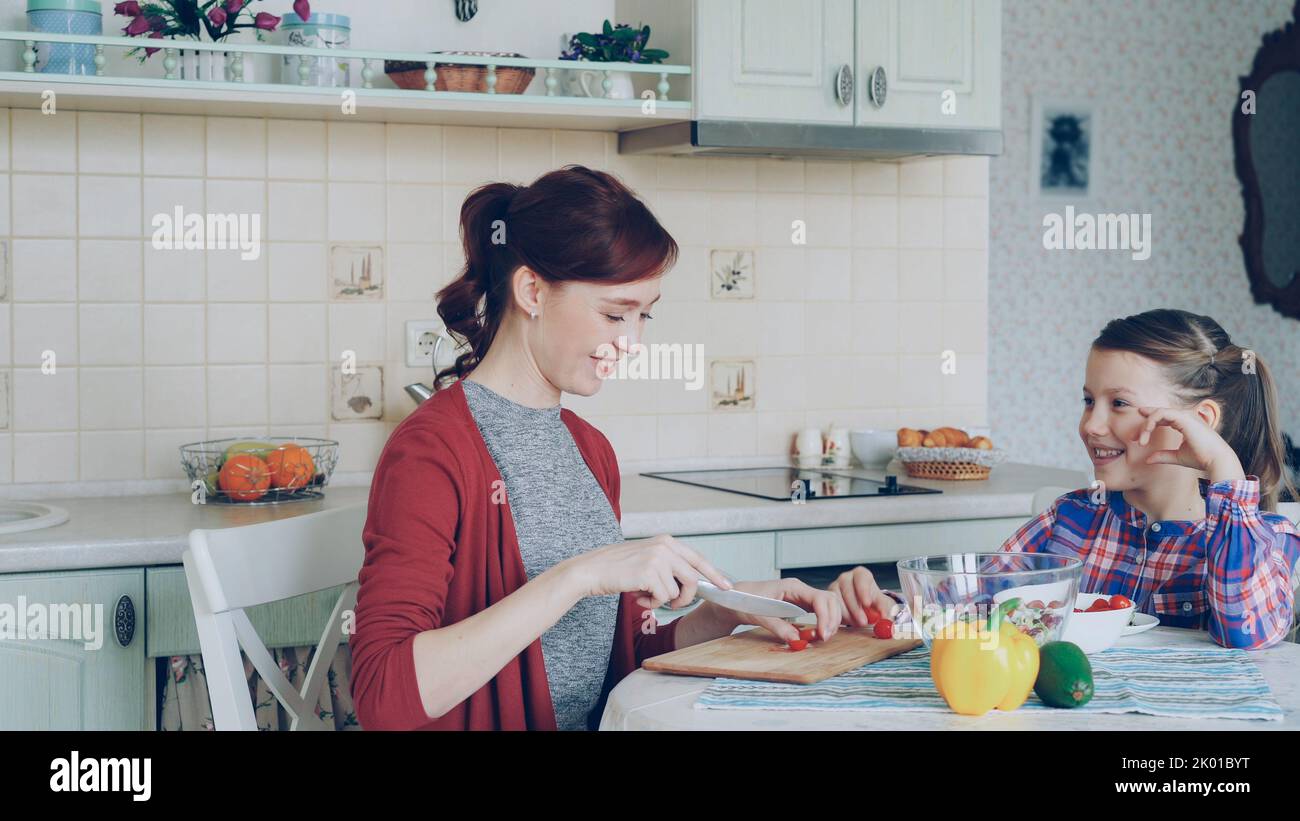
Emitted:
pixel 663 569
pixel 1202 447
pixel 858 590
pixel 825 603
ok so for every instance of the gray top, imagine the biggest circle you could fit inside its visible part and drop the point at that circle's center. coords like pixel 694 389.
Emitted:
pixel 559 511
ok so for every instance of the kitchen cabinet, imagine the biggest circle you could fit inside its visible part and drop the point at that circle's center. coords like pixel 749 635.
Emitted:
pixel 937 62
pixel 941 62
pixel 61 683
pixel 774 59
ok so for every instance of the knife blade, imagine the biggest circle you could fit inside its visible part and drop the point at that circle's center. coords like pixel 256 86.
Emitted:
pixel 747 602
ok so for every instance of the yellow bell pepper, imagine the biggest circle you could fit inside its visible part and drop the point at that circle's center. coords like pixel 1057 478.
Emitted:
pixel 984 666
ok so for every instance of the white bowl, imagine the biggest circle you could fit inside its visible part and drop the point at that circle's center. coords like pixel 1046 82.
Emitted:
pixel 873 448
pixel 1097 631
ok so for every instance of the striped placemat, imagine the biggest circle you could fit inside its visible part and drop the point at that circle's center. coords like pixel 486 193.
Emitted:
pixel 1158 681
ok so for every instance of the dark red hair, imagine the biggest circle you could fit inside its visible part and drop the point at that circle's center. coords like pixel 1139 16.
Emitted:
pixel 571 224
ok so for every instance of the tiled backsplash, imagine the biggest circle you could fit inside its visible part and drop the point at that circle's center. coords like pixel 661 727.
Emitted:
pixel 155 348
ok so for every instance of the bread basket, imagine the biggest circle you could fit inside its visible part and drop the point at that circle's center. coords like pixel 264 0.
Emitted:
pixel 955 464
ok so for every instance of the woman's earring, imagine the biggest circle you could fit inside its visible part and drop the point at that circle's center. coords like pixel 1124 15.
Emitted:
pixel 533 315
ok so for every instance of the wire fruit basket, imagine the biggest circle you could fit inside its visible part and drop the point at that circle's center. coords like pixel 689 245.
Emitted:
pixel 260 471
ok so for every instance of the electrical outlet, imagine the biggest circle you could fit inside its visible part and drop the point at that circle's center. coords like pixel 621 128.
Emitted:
pixel 421 336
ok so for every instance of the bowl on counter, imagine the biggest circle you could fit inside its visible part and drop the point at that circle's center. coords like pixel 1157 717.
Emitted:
pixel 943 592
pixel 1098 630
pixel 873 448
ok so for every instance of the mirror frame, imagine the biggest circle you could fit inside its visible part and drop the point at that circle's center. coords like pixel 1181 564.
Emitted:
pixel 1280 52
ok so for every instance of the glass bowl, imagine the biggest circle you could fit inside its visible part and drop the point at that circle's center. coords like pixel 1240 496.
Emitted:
pixel 942 590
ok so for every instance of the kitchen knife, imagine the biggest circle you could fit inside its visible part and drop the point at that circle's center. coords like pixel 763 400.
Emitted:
pixel 747 602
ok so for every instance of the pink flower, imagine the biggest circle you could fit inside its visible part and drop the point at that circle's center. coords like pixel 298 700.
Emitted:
pixel 137 26
pixel 302 8
pixel 266 21
pixel 217 16
pixel 131 9
pixel 234 6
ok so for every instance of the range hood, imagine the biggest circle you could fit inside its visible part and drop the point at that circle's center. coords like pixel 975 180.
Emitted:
pixel 773 139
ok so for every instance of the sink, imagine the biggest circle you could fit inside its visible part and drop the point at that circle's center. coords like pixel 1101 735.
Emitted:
pixel 16 517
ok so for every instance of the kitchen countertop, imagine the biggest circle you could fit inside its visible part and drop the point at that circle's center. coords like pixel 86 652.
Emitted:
pixel 131 531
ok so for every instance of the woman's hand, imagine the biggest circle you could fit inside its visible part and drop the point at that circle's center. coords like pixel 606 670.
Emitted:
pixel 1202 447
pixel 824 603
pixel 859 591
pixel 662 568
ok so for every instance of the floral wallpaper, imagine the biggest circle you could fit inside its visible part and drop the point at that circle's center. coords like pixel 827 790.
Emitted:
pixel 1164 76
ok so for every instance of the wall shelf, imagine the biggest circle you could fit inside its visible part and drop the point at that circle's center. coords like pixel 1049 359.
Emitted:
pixel 159 95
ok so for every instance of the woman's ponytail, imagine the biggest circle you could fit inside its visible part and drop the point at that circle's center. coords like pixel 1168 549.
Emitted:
pixel 473 305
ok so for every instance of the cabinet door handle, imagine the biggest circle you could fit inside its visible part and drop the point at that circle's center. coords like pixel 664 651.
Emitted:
pixel 878 87
pixel 844 85
pixel 124 620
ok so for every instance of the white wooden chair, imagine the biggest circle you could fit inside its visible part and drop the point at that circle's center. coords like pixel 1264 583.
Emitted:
pixel 231 569
pixel 1291 510
pixel 1044 496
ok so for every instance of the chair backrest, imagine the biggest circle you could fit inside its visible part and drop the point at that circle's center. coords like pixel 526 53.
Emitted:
pixel 230 569
pixel 1291 510
pixel 1044 496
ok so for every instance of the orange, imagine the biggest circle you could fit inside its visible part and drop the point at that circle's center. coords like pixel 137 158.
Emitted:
pixel 244 477
pixel 291 467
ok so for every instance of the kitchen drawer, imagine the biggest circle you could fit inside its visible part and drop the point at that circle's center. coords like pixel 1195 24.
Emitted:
pixel 749 556
pixel 887 543
pixel 171 631
pixel 743 556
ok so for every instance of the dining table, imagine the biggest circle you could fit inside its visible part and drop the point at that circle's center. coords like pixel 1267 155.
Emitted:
pixel 647 700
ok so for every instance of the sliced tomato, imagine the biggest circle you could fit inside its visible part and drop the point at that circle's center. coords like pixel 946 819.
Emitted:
pixel 1055 605
pixel 884 629
pixel 1118 602
pixel 808 633
pixel 1035 604
pixel 873 614
pixel 798 644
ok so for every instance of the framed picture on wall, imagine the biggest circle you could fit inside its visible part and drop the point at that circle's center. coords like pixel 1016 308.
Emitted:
pixel 1063 149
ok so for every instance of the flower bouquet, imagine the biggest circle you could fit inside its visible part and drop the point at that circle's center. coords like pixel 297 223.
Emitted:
pixel 191 19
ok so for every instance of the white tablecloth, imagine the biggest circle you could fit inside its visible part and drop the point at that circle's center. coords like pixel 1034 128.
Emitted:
pixel 658 701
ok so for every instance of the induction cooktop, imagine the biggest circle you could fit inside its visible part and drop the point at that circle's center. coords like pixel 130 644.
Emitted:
pixel 794 484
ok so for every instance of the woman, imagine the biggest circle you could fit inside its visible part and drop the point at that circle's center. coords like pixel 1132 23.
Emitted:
pixel 497 591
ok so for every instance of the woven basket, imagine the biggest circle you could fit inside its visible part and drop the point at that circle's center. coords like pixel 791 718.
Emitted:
pixel 946 470
pixel 951 464
pixel 459 77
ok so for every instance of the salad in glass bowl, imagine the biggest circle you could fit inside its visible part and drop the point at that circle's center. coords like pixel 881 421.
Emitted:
pixel 947 592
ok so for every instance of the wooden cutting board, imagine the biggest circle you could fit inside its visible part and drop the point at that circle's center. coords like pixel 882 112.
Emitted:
pixel 758 655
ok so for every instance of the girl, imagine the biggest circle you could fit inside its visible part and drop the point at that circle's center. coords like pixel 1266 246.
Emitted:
pixel 1181 427
pixel 497 591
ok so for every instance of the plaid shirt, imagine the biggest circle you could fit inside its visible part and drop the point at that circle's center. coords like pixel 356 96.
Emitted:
pixel 1229 573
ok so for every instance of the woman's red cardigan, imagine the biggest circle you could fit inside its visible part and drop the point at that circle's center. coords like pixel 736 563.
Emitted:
pixel 440 549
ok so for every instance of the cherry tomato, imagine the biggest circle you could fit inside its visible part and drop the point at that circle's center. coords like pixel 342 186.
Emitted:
pixel 807 633
pixel 1098 606
pixel 1055 605
pixel 873 614
pixel 1118 602
pixel 798 644
pixel 884 629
